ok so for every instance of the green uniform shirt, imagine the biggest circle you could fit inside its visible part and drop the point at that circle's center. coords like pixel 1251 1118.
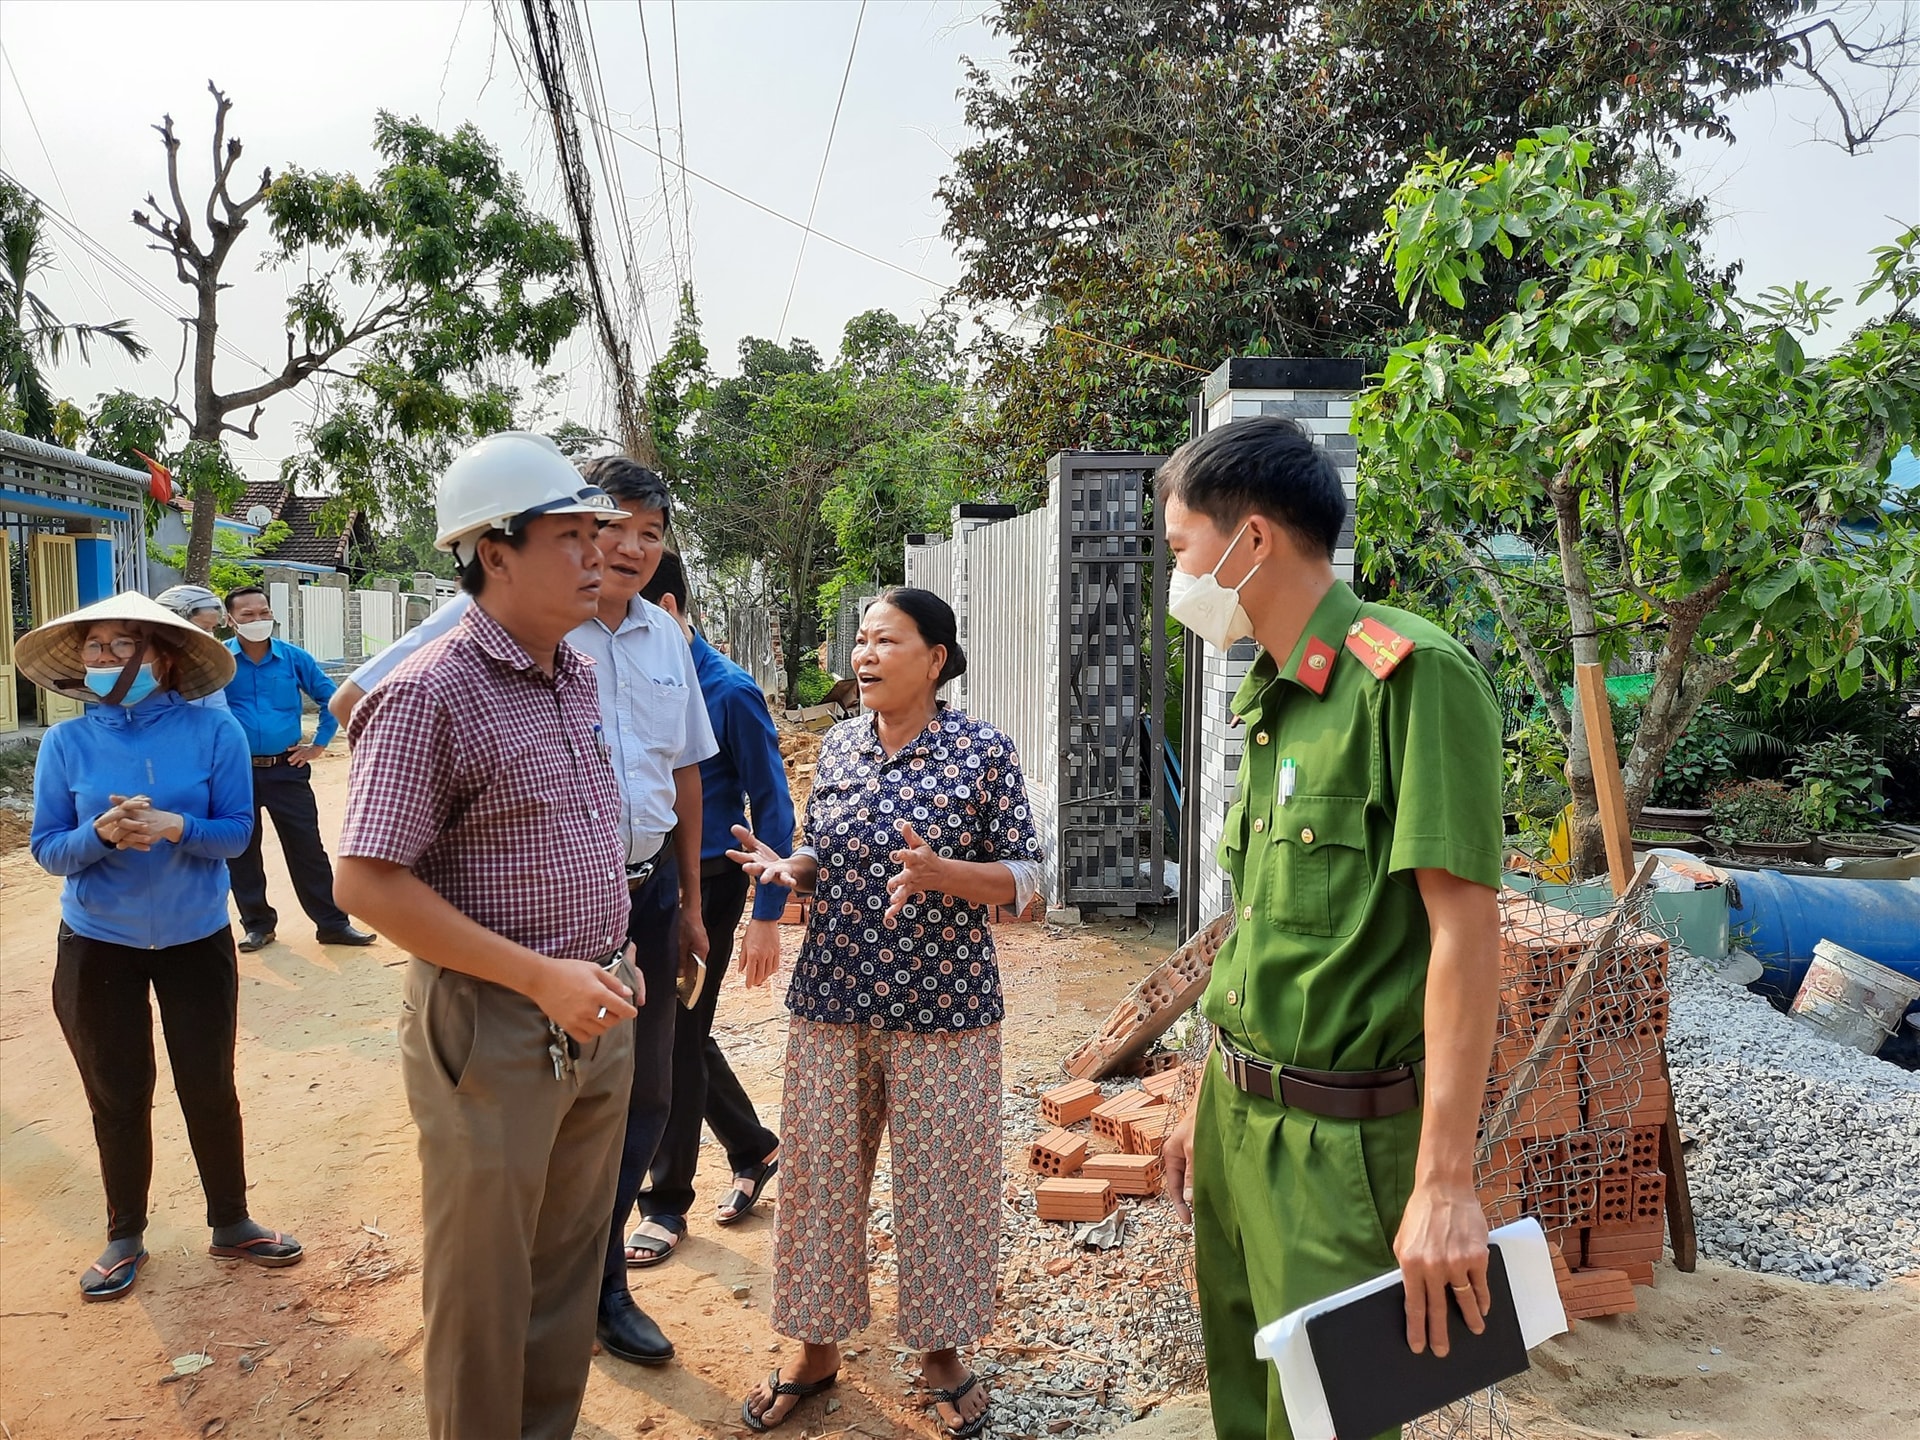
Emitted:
pixel 1327 965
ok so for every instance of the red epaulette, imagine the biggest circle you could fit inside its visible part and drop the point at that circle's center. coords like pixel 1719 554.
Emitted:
pixel 1379 648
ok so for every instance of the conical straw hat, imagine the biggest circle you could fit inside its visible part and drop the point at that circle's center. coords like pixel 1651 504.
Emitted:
pixel 51 653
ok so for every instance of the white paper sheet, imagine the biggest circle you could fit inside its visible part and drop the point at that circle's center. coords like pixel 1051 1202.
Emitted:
pixel 1536 1300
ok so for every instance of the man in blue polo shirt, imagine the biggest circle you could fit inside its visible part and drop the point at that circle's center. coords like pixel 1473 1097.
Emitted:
pixel 270 677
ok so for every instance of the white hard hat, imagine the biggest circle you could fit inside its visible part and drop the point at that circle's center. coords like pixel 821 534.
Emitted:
pixel 188 600
pixel 503 482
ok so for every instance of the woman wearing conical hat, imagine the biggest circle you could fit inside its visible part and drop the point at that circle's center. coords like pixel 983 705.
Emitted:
pixel 139 802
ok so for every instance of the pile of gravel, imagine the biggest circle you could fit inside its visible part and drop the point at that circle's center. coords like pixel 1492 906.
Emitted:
pixel 1085 1350
pixel 1807 1153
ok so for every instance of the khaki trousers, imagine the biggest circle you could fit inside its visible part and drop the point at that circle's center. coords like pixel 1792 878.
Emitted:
pixel 517 1173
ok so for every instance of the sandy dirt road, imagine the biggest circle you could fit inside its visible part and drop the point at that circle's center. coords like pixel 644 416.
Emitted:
pixel 331 1347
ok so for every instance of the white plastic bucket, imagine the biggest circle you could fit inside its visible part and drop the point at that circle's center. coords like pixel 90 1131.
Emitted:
pixel 1851 999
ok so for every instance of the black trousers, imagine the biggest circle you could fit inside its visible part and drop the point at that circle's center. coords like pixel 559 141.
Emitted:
pixel 286 793
pixel 654 928
pixel 100 996
pixel 703 1083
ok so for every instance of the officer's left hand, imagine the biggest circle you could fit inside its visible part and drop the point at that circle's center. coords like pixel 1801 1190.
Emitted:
pixel 1442 1250
pixel 921 872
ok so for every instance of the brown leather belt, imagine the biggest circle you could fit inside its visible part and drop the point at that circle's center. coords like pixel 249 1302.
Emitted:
pixel 1337 1094
pixel 267 762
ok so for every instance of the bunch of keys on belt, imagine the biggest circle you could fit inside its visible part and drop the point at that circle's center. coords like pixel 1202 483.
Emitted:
pixel 563 1050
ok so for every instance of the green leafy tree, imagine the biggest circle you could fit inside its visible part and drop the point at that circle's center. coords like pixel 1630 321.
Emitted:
pixel 417 284
pixel 797 477
pixel 1711 494
pixel 32 336
pixel 1157 186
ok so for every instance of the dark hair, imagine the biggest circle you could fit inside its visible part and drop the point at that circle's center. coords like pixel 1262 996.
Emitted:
pixel 627 480
pixel 935 621
pixel 239 590
pixel 473 575
pixel 669 579
pixel 1268 464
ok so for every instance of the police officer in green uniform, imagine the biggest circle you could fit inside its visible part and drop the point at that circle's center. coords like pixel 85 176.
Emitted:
pixel 1333 1135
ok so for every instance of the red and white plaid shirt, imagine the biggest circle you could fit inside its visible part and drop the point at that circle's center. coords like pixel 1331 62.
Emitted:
pixel 490 781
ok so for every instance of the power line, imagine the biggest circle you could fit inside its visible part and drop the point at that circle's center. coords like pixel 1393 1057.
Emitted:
pixel 587 52
pixel 142 286
pixel 53 170
pixel 680 278
pixel 893 265
pixel 820 179
pixel 680 133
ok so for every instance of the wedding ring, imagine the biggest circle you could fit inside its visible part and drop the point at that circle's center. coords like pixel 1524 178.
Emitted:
pixel 1467 1288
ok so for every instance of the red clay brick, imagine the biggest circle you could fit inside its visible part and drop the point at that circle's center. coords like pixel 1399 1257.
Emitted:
pixel 1110 1116
pixel 1074 1199
pixel 1128 1174
pixel 1070 1103
pixel 1057 1152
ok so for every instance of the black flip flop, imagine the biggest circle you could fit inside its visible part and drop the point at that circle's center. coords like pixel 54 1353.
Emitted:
pixel 115 1280
pixel 967 1429
pixel 741 1202
pixel 781 1387
pixel 272 1250
pixel 653 1250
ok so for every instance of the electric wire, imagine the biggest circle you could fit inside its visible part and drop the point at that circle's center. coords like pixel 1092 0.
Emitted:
pixel 895 265
pixel 680 135
pixel 826 152
pixel 587 53
pixel 681 277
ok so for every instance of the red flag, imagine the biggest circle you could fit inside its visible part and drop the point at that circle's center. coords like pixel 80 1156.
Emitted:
pixel 159 478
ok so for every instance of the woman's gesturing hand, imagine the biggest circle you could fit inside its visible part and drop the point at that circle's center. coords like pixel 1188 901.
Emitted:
pixel 922 871
pixel 763 864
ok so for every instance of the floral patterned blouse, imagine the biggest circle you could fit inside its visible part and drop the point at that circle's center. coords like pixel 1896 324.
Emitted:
pixel 931 968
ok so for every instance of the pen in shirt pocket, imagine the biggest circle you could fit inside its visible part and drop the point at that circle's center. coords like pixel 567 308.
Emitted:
pixel 600 744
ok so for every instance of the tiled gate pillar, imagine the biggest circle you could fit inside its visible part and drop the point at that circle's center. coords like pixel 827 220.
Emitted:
pixel 1319 394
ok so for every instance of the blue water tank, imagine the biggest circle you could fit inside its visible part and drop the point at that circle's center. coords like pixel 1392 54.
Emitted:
pixel 1780 918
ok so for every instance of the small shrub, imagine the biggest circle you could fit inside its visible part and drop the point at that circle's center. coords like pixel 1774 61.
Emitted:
pixel 1702 759
pixel 1758 812
pixel 1840 780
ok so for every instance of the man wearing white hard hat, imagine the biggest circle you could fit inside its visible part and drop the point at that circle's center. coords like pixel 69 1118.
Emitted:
pixel 138 804
pixel 482 836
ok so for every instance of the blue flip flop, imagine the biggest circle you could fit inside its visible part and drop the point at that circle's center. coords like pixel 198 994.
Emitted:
pixel 115 1280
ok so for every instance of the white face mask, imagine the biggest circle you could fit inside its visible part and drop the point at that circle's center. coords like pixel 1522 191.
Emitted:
pixel 255 630
pixel 1208 608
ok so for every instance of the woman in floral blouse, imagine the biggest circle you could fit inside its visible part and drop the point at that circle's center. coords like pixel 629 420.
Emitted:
pixel 918 826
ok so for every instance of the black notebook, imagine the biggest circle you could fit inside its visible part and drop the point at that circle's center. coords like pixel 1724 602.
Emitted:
pixel 1374 1382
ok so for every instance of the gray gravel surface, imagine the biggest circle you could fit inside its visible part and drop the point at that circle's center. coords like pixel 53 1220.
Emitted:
pixel 1807 1153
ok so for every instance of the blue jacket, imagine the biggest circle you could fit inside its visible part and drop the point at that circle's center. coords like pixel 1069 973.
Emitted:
pixel 265 697
pixel 183 758
pixel 748 770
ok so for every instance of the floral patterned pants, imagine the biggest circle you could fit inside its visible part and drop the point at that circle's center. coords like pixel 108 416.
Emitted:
pixel 939 1096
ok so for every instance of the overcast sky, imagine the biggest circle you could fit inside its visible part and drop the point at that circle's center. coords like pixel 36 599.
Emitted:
pixel 760 81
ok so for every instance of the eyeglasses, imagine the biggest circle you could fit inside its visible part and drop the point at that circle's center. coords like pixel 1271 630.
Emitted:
pixel 124 648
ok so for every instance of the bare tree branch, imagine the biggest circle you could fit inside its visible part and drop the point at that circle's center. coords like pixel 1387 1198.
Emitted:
pixel 250 430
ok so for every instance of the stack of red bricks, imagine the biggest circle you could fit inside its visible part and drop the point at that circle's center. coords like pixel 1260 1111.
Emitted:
pixel 1083 1174
pixel 1584 1151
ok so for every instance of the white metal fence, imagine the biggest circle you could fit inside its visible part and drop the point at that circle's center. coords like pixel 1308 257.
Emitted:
pixel 323 622
pixel 377 620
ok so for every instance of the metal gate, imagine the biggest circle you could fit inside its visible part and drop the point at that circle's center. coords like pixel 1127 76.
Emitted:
pixel 323 622
pixel 1112 850
pixel 54 582
pixel 376 621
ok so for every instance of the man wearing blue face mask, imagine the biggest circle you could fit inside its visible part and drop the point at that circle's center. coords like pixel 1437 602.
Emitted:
pixel 270 676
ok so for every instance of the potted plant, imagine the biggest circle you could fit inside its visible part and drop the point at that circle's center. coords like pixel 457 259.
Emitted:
pixel 1760 820
pixel 1701 759
pixel 1839 780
